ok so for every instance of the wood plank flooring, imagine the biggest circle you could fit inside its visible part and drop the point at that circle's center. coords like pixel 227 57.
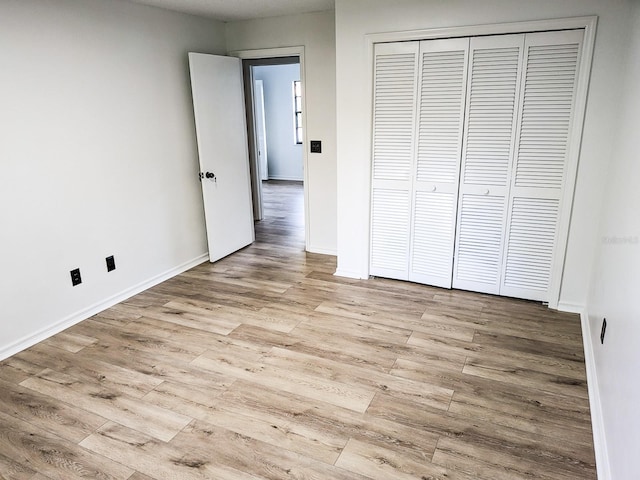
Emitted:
pixel 266 366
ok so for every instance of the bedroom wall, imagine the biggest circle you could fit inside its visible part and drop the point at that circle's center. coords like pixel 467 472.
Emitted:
pixel 284 156
pixel 98 157
pixel 616 278
pixel 316 33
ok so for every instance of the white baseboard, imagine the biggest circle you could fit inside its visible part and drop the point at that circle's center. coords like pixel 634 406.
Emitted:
pixel 289 179
pixel 595 405
pixel 30 340
pixel 322 251
pixel 348 274
pixel 570 308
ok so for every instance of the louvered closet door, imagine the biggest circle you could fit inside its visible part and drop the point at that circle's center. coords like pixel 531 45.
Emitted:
pixel 490 127
pixel 547 99
pixel 442 89
pixel 394 107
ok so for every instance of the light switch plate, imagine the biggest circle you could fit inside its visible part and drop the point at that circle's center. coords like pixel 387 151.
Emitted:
pixel 316 146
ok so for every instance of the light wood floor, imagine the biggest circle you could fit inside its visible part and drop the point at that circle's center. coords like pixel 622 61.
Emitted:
pixel 265 365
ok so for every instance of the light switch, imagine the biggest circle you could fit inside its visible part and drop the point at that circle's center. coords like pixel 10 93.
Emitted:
pixel 316 146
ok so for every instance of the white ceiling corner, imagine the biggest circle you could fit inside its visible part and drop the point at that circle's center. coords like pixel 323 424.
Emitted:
pixel 235 10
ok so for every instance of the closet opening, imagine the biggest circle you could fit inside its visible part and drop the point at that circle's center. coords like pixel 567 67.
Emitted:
pixel 474 152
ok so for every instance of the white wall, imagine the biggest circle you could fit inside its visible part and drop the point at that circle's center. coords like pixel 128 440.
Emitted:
pixel 316 32
pixel 356 18
pixel 616 278
pixel 97 155
pixel 284 156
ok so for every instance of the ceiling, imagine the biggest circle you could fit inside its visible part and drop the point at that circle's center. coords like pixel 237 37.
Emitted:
pixel 234 10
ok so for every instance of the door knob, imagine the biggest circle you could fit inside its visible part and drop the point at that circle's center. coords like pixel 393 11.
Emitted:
pixel 208 175
pixel 486 192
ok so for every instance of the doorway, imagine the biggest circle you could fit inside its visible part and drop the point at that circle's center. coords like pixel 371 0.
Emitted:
pixel 276 135
pixel 277 120
pixel 283 222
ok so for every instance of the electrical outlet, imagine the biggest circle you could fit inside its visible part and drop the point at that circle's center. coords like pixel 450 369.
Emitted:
pixel 111 263
pixel 603 330
pixel 75 277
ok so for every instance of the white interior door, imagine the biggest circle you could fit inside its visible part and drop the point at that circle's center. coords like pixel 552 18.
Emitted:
pixel 261 129
pixel 221 131
pixel 442 88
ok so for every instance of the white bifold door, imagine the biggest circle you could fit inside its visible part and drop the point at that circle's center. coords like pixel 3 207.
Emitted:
pixel 470 148
pixel 490 128
pixel 539 173
pixel 418 124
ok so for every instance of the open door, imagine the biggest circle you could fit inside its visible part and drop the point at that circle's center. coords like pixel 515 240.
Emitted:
pixel 221 131
pixel 261 129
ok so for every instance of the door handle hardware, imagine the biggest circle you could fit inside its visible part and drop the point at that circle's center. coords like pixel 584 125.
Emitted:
pixel 211 175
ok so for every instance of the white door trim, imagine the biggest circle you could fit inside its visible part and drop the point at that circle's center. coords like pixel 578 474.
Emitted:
pixel 589 25
pixel 289 52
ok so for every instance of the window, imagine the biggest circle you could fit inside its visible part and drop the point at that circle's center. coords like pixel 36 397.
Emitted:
pixel 297 112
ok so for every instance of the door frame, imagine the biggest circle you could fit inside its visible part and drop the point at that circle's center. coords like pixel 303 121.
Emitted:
pixel 261 130
pixel 588 24
pixel 273 56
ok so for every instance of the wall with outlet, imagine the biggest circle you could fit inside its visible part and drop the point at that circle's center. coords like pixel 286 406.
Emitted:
pixel 616 276
pixel 98 156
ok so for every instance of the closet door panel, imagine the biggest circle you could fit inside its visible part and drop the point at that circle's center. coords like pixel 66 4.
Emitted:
pixel 481 227
pixel 394 111
pixel 441 103
pixel 390 232
pixel 530 245
pixel 490 128
pixel 545 123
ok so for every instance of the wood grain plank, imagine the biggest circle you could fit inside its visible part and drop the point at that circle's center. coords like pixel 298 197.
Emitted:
pixel 188 315
pixel 496 370
pixel 480 432
pixel 157 459
pixel 329 421
pixel 422 393
pixel 93 371
pixel 507 463
pixel 12 469
pixel 381 463
pixel 69 341
pixel 316 387
pixel 278 432
pixel 53 456
pixel 65 421
pixel 155 421
pixel 255 457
